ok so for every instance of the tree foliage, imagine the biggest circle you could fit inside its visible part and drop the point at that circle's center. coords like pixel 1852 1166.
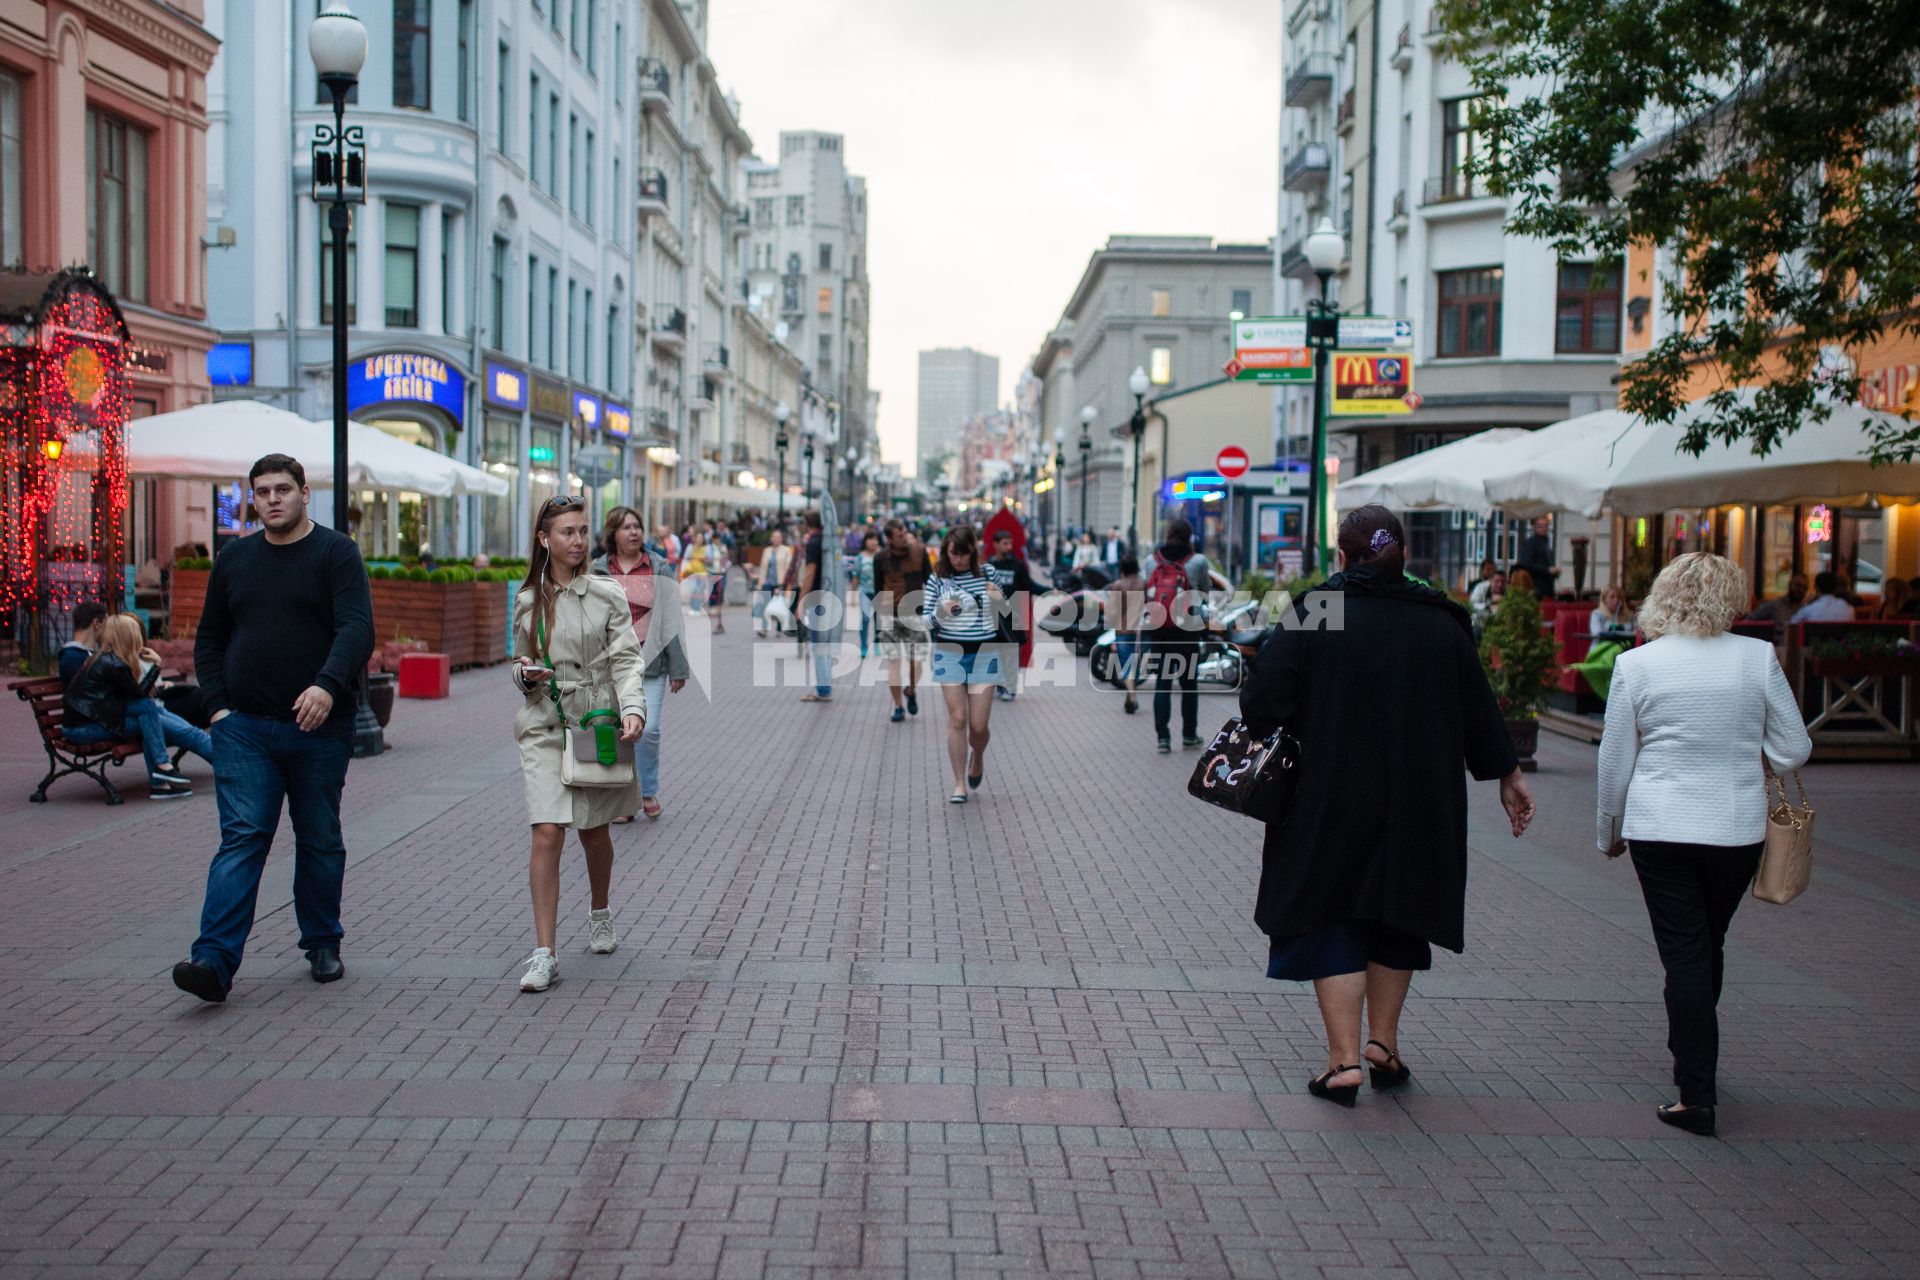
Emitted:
pixel 1770 144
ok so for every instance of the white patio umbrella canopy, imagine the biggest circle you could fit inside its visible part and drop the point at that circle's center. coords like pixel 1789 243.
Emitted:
pixel 1447 477
pixel 1569 466
pixel 222 441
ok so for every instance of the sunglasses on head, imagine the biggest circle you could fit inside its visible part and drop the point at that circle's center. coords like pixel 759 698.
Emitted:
pixel 562 503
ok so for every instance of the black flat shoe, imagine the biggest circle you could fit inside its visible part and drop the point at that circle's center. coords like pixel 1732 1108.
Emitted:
pixel 198 979
pixel 1695 1120
pixel 1132 706
pixel 1344 1094
pixel 913 703
pixel 958 797
pixel 325 963
pixel 1390 1076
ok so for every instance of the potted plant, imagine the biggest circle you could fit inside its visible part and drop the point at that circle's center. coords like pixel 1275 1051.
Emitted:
pixel 1864 653
pixel 1518 656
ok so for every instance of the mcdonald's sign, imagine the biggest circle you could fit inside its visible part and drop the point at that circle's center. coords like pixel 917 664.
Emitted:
pixel 1371 385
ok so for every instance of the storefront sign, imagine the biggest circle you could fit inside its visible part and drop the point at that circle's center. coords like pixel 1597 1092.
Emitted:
pixel 1371 386
pixel 549 400
pixel 618 421
pixel 506 386
pixel 1819 525
pixel 230 364
pixel 1892 389
pixel 1270 350
pixel 586 409
pixel 147 359
pixel 406 377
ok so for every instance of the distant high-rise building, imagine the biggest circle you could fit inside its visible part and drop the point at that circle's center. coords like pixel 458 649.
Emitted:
pixel 956 383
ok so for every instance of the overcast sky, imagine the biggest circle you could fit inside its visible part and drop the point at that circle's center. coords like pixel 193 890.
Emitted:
pixel 1004 140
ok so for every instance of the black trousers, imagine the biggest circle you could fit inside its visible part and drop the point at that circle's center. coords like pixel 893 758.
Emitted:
pixel 1174 659
pixel 1692 891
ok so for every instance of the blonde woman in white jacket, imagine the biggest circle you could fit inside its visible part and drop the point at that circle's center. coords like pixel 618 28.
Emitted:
pixel 1690 718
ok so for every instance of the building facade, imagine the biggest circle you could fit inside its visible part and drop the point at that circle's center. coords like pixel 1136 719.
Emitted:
pixel 103 153
pixel 806 269
pixel 955 384
pixel 1162 304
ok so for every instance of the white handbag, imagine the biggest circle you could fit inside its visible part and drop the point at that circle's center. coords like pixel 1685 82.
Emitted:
pixel 591 751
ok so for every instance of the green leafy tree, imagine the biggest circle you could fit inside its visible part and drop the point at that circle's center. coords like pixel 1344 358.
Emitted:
pixel 1769 143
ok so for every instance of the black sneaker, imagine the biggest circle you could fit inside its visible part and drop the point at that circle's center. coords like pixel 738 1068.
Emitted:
pixel 1190 742
pixel 159 790
pixel 1165 747
pixel 899 714
pixel 913 703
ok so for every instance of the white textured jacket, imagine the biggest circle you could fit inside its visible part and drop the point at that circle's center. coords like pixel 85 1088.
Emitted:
pixel 1688 721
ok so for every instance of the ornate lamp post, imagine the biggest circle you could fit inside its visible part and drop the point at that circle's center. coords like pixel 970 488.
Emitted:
pixel 1325 251
pixel 1087 415
pixel 1057 494
pixel 1137 383
pixel 780 415
pixel 337 43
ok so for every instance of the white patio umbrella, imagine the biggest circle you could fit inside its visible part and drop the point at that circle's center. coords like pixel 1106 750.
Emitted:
pixel 1569 466
pixel 392 463
pixel 1446 477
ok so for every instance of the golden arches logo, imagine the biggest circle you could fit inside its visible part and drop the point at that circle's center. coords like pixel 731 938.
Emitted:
pixel 1353 370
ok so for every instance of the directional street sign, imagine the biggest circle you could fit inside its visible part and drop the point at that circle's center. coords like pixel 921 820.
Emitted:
pixel 1376 333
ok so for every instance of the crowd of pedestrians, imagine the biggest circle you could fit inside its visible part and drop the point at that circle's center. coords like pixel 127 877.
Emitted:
pixel 1363 874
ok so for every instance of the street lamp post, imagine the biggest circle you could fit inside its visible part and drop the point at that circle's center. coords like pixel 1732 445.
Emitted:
pixel 337 43
pixel 1325 250
pixel 780 415
pixel 1138 384
pixel 808 454
pixel 1058 492
pixel 1087 415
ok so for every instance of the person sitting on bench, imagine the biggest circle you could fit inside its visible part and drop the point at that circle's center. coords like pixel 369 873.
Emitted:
pixel 87 617
pixel 107 702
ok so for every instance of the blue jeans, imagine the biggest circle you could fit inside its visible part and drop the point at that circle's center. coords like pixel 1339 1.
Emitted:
pixel 819 642
pixel 258 763
pixel 866 620
pixel 647 758
pixel 157 728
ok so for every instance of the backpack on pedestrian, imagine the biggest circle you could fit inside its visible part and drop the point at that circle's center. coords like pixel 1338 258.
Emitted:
pixel 1169 589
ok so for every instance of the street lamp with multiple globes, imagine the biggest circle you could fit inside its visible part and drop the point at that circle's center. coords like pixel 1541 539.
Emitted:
pixel 1137 382
pixel 780 415
pixel 1326 249
pixel 1087 415
pixel 337 43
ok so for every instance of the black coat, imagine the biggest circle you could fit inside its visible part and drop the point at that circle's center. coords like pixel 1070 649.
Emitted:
pixel 101 690
pixel 1387 709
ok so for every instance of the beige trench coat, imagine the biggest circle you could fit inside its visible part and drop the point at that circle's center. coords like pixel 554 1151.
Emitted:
pixel 597 663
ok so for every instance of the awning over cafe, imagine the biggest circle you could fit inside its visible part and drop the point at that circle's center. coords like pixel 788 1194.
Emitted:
pixel 1445 477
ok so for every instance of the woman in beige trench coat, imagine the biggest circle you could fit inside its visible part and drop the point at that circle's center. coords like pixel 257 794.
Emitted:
pixel 586 649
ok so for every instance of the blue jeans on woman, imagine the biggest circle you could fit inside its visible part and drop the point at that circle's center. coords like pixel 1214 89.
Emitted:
pixel 157 728
pixel 261 764
pixel 647 758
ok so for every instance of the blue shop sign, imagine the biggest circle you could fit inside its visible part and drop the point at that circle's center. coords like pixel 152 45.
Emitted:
pixel 405 377
pixel 586 409
pixel 618 422
pixel 506 385
pixel 230 364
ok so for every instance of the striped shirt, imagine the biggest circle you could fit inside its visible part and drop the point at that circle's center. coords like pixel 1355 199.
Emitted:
pixel 977 619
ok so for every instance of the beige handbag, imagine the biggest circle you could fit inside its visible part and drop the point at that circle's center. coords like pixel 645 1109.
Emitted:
pixel 1786 862
pixel 591 751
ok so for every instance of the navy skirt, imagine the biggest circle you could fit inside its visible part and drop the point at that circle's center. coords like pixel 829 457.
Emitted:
pixel 1348 947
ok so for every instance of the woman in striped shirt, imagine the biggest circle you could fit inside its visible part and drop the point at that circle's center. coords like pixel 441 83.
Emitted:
pixel 962 606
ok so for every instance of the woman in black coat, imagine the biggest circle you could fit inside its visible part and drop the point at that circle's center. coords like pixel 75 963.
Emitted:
pixel 1378 678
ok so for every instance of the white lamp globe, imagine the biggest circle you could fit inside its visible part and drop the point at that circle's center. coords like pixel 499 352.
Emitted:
pixel 1325 248
pixel 1087 415
pixel 337 42
pixel 1138 382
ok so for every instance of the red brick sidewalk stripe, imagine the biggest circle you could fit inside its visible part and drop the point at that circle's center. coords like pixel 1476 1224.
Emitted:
pixel 609 1100
pixel 165 1098
pixel 1510 1117
pixel 1004 1105
pixel 952 1103
pixel 782 1101
pixel 315 1097
pixel 1173 1109
pixel 43 1097
pixel 1303 1113
pixel 462 1099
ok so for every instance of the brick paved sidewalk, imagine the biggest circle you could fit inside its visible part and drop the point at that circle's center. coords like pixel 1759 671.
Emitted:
pixel 852 1029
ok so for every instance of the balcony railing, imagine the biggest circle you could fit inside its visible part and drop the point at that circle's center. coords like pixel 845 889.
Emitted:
pixel 719 357
pixel 1307 166
pixel 1293 261
pixel 656 83
pixel 1310 80
pixel 1402 56
pixel 1344 115
pixel 1399 206
pixel 672 331
pixel 652 191
pixel 1449 187
pixel 659 422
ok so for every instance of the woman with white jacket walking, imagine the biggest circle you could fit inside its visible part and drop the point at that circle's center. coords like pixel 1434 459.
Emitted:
pixel 1691 716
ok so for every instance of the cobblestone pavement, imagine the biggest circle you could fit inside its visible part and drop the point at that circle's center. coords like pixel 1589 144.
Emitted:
pixel 852 1029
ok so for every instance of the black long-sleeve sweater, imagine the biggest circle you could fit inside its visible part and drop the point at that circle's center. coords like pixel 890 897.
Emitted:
pixel 280 618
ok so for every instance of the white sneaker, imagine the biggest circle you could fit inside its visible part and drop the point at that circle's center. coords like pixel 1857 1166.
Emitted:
pixel 542 971
pixel 600 938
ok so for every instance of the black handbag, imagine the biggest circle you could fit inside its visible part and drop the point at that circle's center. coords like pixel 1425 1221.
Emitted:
pixel 1246 774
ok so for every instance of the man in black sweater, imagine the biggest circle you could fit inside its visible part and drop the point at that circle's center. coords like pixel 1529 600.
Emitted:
pixel 282 645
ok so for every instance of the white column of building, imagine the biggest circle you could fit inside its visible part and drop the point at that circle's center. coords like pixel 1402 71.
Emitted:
pixel 429 274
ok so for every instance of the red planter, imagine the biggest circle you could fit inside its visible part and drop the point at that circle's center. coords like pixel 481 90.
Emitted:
pixel 187 600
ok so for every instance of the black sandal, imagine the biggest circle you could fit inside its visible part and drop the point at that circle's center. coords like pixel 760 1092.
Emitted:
pixel 1344 1094
pixel 1393 1074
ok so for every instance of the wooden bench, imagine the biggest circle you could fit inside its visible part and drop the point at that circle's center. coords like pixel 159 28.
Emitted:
pixel 45 696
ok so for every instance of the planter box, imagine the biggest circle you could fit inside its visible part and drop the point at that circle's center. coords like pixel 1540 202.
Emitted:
pixel 1526 740
pixel 1857 668
pixel 439 613
pixel 492 606
pixel 186 601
